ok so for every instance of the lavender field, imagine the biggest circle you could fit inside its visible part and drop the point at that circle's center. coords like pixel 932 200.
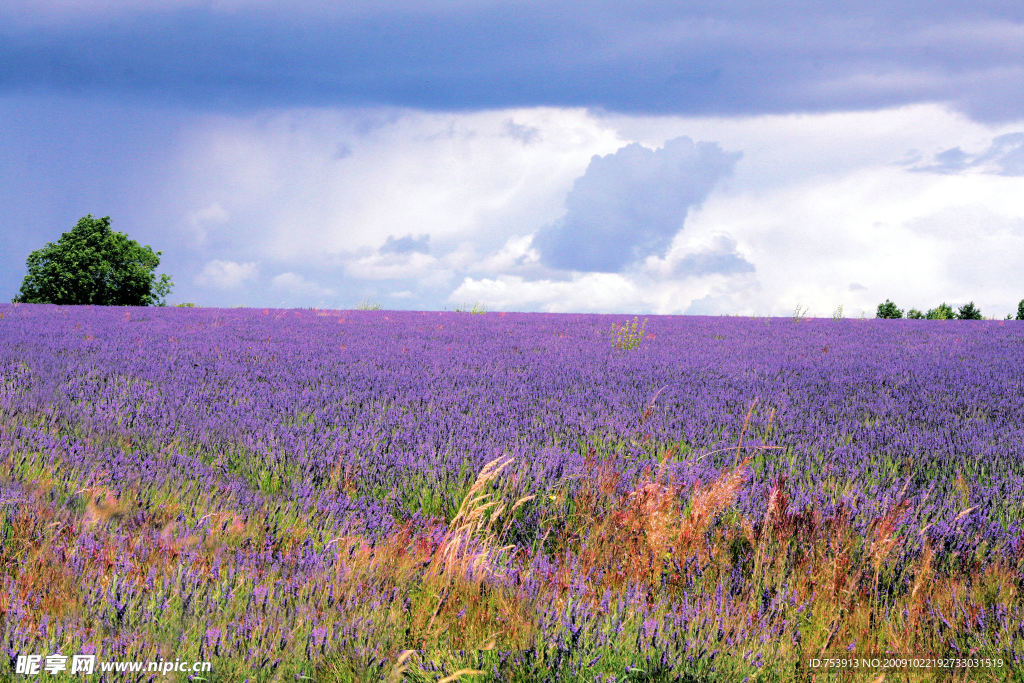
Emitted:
pixel 373 495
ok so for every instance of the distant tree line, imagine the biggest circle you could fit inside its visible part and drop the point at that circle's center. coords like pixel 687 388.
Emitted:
pixel 943 311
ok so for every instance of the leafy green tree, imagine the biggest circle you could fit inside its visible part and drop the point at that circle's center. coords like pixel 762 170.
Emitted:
pixel 1020 310
pixel 888 310
pixel 914 314
pixel 943 312
pixel 968 312
pixel 92 264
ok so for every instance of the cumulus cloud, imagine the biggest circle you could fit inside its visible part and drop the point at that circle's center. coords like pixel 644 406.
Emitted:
pixel 630 204
pixel 411 265
pixel 516 253
pixel 442 179
pixel 700 255
pixel 812 239
pixel 1005 156
pixel 720 303
pixel 608 292
pixel 225 274
pixel 718 258
pixel 294 283
pixel 974 220
pixel 978 251
pixel 611 293
pixel 203 220
pixel 818 202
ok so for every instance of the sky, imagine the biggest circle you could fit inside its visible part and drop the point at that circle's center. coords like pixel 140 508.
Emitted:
pixel 712 158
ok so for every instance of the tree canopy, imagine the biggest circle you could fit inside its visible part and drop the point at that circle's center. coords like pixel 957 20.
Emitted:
pixel 968 312
pixel 943 312
pixel 888 310
pixel 93 264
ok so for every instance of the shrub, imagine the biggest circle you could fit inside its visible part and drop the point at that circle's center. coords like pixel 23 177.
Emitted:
pixel 627 336
pixel 476 309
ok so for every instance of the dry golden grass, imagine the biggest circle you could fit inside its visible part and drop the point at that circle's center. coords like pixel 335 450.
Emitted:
pixel 647 534
pixel 471 547
pixel 102 505
pixel 459 604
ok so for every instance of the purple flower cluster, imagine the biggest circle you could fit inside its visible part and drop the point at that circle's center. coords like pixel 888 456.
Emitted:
pixel 247 448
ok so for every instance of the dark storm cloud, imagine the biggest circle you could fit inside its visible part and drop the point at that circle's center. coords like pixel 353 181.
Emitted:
pixel 663 57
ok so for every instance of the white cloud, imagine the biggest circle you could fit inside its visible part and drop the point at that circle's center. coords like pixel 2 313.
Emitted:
pixel 587 292
pixel 699 255
pixel 446 207
pixel 820 202
pixel 203 220
pixel 1005 156
pixel 516 252
pixel 608 293
pixel 293 283
pixel 225 274
pixel 450 177
pixel 396 266
pixel 810 241
pixel 980 250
